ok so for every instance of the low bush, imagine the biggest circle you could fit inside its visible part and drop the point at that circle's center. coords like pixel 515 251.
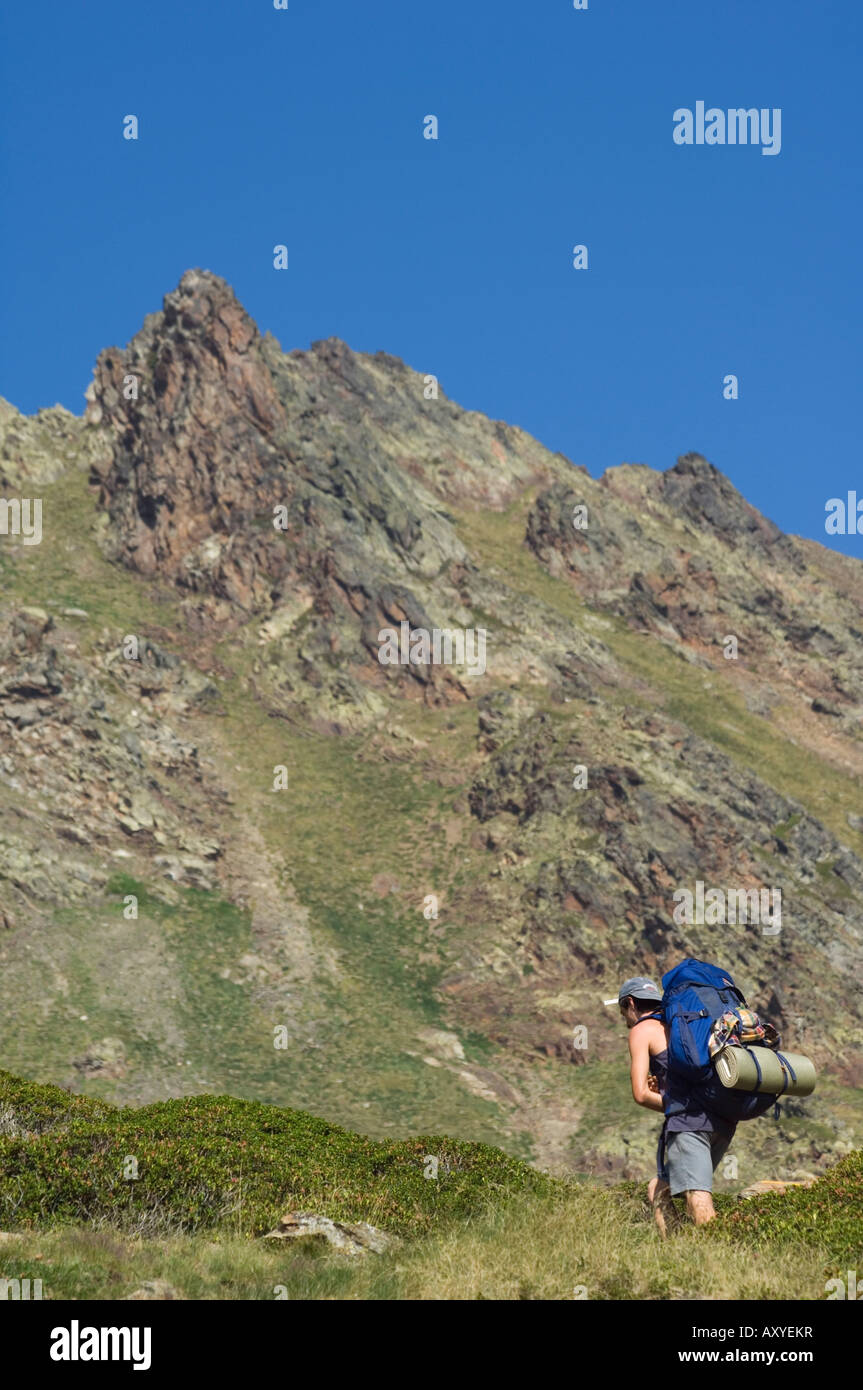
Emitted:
pixel 828 1214
pixel 217 1162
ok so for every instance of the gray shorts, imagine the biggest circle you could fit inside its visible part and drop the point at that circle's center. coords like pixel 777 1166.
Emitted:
pixel 691 1158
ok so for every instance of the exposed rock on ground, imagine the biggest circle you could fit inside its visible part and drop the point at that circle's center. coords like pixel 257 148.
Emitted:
pixel 353 1238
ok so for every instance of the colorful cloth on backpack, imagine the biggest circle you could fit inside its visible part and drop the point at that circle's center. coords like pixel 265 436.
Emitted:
pixel 741 1028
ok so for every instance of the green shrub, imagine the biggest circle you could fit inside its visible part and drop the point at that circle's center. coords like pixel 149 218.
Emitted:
pixel 214 1161
pixel 827 1214
pixel 26 1107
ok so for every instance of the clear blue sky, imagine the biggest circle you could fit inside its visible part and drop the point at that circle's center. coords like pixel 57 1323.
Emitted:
pixel 304 127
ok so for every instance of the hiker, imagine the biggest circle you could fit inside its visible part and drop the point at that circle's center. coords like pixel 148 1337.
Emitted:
pixel 640 1004
pixel 693 1140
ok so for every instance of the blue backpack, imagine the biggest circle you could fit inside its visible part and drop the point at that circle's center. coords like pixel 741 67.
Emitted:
pixel 696 994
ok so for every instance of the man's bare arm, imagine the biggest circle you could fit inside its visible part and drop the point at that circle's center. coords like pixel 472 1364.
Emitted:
pixel 639 1070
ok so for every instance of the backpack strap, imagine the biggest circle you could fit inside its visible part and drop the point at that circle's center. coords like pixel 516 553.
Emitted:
pixel 661 1170
pixel 645 1017
pixel 787 1070
pixel 757 1068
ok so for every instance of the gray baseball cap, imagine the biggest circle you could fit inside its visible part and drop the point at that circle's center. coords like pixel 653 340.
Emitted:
pixel 639 987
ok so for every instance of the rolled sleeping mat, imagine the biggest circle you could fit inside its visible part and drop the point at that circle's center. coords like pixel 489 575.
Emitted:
pixel 762 1069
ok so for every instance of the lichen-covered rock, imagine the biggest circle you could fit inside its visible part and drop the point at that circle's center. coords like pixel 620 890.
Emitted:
pixel 350 1238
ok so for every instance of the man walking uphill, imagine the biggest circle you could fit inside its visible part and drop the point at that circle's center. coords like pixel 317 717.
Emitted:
pixel 693 1141
pixel 639 1001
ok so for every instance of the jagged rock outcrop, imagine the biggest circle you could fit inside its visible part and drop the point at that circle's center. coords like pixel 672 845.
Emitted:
pixel 592 867
pixel 213 429
pixel 37 450
pixel 684 556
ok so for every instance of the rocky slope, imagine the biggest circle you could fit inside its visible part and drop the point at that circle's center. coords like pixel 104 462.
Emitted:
pixel 239 853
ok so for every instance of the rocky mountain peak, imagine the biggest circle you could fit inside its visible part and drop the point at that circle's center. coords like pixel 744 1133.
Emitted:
pixel 671 694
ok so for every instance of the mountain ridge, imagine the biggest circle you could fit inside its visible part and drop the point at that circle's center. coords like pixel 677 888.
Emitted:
pixel 258 648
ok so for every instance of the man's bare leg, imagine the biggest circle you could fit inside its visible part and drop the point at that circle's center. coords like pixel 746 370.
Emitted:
pixel 700 1207
pixel 659 1196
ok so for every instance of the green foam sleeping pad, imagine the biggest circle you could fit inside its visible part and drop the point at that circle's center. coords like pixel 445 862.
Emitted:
pixel 736 1069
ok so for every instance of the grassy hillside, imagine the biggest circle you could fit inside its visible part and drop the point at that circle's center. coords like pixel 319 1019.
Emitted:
pixel 214 1174
pixel 373 821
